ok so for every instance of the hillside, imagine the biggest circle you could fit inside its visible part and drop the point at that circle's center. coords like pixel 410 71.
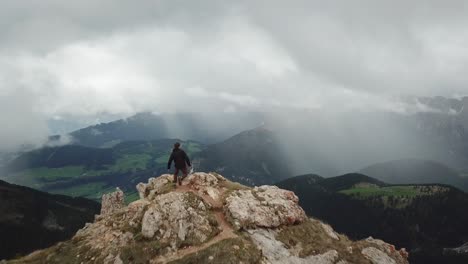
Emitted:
pixel 89 172
pixel 253 157
pixel 149 126
pixel 425 219
pixel 353 140
pixel 415 171
pixel 31 220
pixel 211 220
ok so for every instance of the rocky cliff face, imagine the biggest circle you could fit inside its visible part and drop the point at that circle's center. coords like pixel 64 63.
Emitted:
pixel 211 220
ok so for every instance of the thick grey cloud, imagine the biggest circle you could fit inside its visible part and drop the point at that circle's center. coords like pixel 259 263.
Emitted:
pixel 85 58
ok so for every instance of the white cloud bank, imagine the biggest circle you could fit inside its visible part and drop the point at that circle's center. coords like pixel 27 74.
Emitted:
pixel 91 57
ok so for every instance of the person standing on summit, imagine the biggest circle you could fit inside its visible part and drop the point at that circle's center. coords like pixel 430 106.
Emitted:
pixel 181 161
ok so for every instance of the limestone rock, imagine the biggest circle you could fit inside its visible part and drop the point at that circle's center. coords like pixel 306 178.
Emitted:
pixel 135 212
pixel 401 255
pixel 176 217
pixel 112 202
pixel 206 184
pixel 154 186
pixel 329 230
pixel 275 251
pixel 265 206
pixel 377 256
pixel 200 179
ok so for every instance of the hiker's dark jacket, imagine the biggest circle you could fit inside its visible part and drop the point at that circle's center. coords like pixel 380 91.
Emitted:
pixel 180 158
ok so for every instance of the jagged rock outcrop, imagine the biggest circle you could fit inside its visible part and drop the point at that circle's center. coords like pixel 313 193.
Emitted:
pixel 265 206
pixel 176 217
pixel 211 220
pixel 154 186
pixel 112 202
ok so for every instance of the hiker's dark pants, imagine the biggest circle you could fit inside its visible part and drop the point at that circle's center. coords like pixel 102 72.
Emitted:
pixel 176 173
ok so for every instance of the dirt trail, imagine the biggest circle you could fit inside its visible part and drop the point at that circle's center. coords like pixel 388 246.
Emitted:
pixel 216 208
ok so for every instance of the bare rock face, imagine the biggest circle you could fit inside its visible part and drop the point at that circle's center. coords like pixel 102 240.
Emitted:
pixel 206 184
pixel 314 242
pixel 176 217
pixel 377 256
pixel 276 253
pixel 400 255
pixel 201 179
pixel 112 202
pixel 154 186
pixel 329 231
pixel 135 212
pixel 265 206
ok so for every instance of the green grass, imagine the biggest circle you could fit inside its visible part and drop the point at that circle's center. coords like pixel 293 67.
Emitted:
pixel 224 252
pixel 399 191
pixel 128 160
pixel 93 190
pixel 126 163
pixel 36 176
pixel 397 197
pixel 193 147
pixel 131 197
pixel 162 159
pixel 131 162
pixel 51 174
pixel 310 238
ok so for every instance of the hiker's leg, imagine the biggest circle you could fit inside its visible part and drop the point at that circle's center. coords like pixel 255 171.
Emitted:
pixel 184 172
pixel 176 173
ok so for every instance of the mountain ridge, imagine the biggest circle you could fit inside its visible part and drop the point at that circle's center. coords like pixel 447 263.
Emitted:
pixel 252 157
pixel 207 220
pixel 150 126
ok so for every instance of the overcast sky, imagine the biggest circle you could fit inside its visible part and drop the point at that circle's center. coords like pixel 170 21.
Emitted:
pixel 84 58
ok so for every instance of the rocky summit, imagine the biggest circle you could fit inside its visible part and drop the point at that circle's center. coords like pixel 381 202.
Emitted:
pixel 210 219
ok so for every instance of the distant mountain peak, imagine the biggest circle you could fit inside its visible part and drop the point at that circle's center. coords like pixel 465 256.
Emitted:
pixel 211 219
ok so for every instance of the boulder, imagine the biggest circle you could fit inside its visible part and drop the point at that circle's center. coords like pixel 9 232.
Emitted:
pixel 155 186
pixel 329 231
pixel 401 255
pixel 207 184
pixel 201 179
pixel 265 206
pixel 377 256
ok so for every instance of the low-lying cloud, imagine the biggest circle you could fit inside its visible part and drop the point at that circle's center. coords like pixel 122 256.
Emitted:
pixel 92 57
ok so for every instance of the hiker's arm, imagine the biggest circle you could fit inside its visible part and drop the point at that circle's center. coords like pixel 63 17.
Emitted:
pixel 187 159
pixel 171 158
